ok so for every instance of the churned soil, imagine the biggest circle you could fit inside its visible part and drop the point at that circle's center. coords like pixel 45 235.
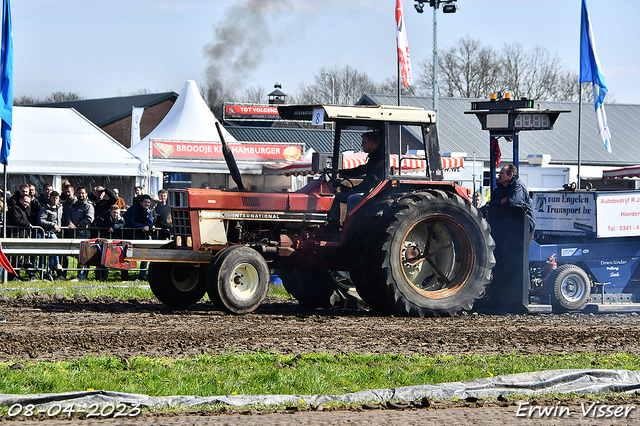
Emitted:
pixel 46 328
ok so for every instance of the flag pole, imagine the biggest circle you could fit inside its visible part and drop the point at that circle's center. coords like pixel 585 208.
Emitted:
pixel 399 104
pixel 404 68
pixel 4 216
pixel 579 132
pixel 399 78
pixel 6 105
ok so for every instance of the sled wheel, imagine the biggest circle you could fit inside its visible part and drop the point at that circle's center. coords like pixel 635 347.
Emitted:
pixel 176 285
pixel 571 288
pixel 237 279
pixel 433 257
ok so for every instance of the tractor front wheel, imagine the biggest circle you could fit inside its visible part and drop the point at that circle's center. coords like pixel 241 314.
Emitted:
pixel 237 279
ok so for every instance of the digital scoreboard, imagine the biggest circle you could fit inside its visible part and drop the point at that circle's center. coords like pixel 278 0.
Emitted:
pixel 532 121
pixel 513 115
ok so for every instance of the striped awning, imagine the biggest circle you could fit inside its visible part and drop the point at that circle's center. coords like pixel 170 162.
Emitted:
pixel 349 161
pixel 452 163
pixel 623 172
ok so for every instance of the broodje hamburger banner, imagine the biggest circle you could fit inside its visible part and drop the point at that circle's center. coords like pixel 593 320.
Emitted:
pixel 172 150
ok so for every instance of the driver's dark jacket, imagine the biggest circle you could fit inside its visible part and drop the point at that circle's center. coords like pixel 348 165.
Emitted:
pixel 517 196
pixel 372 170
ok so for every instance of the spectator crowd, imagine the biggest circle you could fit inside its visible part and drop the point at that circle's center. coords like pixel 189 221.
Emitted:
pixel 78 213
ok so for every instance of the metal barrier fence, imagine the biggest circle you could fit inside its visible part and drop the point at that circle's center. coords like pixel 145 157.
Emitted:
pixel 30 249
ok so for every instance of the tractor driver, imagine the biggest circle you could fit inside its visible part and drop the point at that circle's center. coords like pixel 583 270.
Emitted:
pixel 510 191
pixel 371 171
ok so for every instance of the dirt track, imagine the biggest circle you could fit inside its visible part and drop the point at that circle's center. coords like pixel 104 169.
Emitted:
pixel 42 327
pixel 48 328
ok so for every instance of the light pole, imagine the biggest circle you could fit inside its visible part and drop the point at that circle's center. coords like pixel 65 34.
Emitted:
pixel 448 6
pixel 333 86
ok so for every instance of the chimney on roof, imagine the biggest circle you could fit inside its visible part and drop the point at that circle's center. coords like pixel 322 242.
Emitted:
pixel 277 97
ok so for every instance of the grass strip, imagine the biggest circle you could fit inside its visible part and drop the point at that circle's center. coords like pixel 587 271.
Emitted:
pixel 273 373
pixel 93 288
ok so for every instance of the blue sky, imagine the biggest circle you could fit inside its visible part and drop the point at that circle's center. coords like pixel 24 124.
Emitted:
pixel 103 49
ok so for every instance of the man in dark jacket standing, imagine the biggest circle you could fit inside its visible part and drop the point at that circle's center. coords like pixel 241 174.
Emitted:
pixel 81 213
pixel 43 198
pixel 140 216
pixel 512 192
pixel 34 208
pixel 80 217
pixel 19 213
pixel 68 197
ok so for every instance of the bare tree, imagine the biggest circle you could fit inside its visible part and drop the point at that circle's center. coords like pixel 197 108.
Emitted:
pixel 568 89
pixel 63 97
pixel 347 86
pixel 424 78
pixel 534 75
pixel 472 70
pixel 141 91
pixel 468 70
pixel 390 85
pixel 26 100
pixel 253 95
pixel 53 97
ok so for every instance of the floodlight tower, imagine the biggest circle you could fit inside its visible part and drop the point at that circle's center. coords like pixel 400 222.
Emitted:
pixel 448 6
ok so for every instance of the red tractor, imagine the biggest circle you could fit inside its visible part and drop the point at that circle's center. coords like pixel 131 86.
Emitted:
pixel 413 246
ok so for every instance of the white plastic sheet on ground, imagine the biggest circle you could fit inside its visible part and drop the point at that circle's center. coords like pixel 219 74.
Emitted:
pixel 536 383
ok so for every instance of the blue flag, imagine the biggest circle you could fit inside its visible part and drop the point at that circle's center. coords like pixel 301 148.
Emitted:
pixel 6 82
pixel 590 73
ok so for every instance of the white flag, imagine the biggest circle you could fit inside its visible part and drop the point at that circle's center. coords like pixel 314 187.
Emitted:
pixel 136 116
pixel 403 46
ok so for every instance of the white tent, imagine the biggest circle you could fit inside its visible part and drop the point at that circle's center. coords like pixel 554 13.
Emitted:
pixel 61 141
pixel 189 120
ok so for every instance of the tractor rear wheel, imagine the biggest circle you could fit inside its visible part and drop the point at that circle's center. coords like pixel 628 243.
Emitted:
pixel 176 285
pixel 571 288
pixel 237 279
pixel 432 256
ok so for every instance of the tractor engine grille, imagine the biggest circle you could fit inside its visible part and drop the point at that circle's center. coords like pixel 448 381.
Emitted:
pixel 182 229
pixel 251 201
